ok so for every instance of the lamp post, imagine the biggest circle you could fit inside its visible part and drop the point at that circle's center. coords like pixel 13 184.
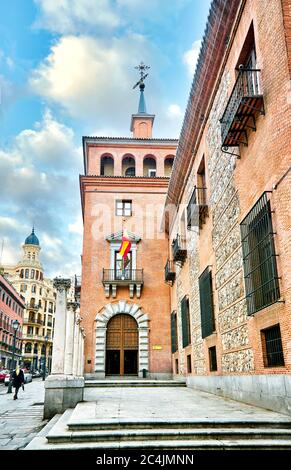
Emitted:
pixel 44 360
pixel 15 325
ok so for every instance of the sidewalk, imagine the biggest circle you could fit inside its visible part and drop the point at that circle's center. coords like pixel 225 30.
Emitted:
pixel 21 420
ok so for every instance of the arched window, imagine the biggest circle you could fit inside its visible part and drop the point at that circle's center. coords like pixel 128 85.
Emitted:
pixel 107 165
pixel 33 288
pixel 37 274
pixel 26 273
pixel 128 165
pixel 168 165
pixel 32 274
pixel 28 348
pixel 21 274
pixel 32 302
pixel 35 348
pixel 149 166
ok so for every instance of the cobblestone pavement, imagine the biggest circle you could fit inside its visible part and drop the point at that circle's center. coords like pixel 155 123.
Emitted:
pixel 21 420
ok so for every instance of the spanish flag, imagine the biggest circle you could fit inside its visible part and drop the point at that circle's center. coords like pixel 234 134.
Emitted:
pixel 125 245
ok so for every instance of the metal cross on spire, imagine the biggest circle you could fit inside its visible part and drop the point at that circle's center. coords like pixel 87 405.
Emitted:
pixel 142 69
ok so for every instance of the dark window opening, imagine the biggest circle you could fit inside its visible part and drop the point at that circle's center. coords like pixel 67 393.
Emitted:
pixel 212 359
pixel 189 364
pixel 177 366
pixel 272 347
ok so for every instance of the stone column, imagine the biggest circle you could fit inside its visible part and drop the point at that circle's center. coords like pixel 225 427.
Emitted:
pixel 81 351
pixel 76 343
pixel 62 389
pixel 58 356
pixel 69 346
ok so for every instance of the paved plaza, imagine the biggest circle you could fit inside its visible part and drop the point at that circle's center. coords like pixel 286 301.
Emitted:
pixel 22 419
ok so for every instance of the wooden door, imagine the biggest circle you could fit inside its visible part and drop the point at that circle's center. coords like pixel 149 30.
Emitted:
pixel 122 345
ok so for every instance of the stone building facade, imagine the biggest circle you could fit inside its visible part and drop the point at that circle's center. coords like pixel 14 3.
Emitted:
pixel 28 279
pixel 11 309
pixel 230 235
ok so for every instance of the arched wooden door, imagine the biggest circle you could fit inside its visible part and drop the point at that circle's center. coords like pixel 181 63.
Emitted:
pixel 122 346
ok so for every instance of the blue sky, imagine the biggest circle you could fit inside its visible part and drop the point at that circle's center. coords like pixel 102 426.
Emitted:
pixel 67 70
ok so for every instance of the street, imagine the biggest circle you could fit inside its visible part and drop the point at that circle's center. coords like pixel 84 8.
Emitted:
pixel 21 420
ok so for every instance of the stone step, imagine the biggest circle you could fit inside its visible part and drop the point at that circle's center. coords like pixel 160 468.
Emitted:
pixel 134 383
pixel 170 434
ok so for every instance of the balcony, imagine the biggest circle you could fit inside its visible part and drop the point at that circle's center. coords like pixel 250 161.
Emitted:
pixel 197 209
pixel 179 250
pixel 133 278
pixel 244 104
pixel 170 274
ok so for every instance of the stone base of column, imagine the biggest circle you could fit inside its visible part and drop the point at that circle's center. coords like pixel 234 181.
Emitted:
pixel 62 392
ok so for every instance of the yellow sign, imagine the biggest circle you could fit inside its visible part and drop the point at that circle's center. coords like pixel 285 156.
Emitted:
pixel 157 347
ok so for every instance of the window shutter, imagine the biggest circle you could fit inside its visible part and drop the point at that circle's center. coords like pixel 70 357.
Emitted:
pixel 174 332
pixel 185 322
pixel 206 303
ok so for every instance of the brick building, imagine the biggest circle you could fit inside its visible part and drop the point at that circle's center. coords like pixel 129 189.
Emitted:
pixel 127 324
pixel 11 308
pixel 226 244
pixel 230 236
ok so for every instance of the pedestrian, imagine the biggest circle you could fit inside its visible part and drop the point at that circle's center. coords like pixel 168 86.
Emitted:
pixel 18 380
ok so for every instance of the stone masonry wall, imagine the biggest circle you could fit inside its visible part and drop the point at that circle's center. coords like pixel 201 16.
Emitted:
pixel 237 356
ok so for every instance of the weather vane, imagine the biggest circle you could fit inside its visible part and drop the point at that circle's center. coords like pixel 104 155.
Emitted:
pixel 142 68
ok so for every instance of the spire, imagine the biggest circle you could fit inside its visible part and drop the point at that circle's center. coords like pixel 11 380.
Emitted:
pixel 141 105
pixel 142 122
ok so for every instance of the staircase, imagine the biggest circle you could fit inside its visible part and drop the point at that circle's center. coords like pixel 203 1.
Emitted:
pixel 133 382
pixel 73 430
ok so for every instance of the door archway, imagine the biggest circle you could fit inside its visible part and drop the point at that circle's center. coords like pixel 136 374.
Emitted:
pixel 102 320
pixel 122 346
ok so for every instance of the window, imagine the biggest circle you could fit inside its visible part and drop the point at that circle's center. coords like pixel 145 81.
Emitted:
pixel 212 359
pixel 37 274
pixel 124 208
pixel 30 330
pixel 152 173
pixel 206 303
pixel 21 274
pixel 272 347
pixel 259 258
pixel 189 364
pixel 130 171
pixel 27 348
pixel 23 287
pixel 32 274
pixel 174 336
pixel 26 273
pixel 33 288
pixel 177 366
pixel 186 330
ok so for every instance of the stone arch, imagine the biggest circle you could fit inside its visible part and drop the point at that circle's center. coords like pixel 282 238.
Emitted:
pixel 168 165
pixel 149 165
pixel 102 319
pixel 128 165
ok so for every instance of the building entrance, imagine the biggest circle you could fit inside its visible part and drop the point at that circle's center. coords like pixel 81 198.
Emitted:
pixel 122 346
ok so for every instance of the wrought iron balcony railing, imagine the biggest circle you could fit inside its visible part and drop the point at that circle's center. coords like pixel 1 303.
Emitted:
pixel 245 102
pixel 197 208
pixel 170 273
pixel 123 276
pixel 179 249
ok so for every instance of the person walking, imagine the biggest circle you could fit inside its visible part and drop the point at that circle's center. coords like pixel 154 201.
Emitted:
pixel 17 380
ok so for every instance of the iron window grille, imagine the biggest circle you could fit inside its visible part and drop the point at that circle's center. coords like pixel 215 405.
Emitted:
pixel 272 347
pixel 174 336
pixel 124 208
pixel 186 330
pixel 206 303
pixel 212 359
pixel 259 257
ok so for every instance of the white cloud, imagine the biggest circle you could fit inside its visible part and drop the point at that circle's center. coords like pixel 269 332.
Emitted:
pixel 79 69
pixel 76 226
pixel 76 16
pixel 190 57
pixel 39 184
pixel 175 111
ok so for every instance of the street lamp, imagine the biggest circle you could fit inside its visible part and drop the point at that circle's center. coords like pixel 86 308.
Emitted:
pixel 46 338
pixel 15 325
